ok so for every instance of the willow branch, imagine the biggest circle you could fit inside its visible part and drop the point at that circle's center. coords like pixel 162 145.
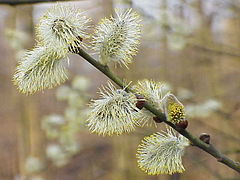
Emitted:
pixel 218 50
pixel 209 148
pixel 23 2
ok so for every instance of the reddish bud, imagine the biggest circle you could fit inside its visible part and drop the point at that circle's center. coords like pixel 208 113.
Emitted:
pixel 141 101
pixel 80 38
pixel 182 124
pixel 205 138
pixel 140 104
pixel 157 119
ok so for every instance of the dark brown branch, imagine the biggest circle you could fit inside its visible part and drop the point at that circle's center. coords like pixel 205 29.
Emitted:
pixel 210 149
pixel 23 2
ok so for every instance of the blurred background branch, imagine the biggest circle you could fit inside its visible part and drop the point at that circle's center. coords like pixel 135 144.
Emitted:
pixel 217 49
pixel 22 2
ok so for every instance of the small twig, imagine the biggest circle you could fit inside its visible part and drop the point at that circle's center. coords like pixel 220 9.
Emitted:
pixel 23 2
pixel 218 51
pixel 226 135
pixel 210 149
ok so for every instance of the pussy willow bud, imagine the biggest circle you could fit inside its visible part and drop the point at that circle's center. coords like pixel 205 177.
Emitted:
pixel 205 138
pixel 140 101
pixel 114 113
pixel 63 27
pixel 153 93
pixel 161 153
pixel 182 124
pixel 174 110
pixel 151 90
pixel 39 69
pixel 117 39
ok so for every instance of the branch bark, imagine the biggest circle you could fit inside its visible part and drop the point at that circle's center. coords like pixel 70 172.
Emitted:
pixel 209 148
pixel 24 2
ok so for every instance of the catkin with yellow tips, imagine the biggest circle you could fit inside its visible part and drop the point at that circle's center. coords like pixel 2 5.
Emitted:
pixel 161 153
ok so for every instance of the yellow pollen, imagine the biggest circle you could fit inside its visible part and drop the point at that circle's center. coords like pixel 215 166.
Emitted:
pixel 176 112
